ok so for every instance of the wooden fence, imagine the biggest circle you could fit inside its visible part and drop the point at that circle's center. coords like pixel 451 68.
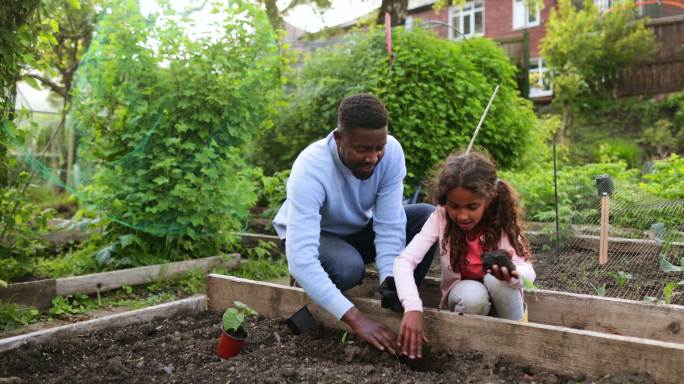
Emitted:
pixel 664 72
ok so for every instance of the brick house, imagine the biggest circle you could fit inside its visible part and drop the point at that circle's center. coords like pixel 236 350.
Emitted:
pixel 503 20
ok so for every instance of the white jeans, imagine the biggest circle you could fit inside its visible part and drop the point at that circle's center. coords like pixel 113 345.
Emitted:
pixel 473 297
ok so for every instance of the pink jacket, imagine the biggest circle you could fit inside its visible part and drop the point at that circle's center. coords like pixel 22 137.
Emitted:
pixel 433 231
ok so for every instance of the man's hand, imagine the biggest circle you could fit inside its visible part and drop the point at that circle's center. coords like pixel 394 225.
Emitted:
pixel 371 331
pixel 412 334
pixel 390 299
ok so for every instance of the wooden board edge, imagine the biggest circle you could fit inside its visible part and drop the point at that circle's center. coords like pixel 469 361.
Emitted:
pixel 196 303
pixel 106 281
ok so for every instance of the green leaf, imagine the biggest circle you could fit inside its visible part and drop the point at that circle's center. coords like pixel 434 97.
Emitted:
pixel 161 180
pixel 666 266
pixel 76 4
pixel 33 83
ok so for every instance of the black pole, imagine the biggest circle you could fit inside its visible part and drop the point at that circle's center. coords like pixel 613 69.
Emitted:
pixel 555 191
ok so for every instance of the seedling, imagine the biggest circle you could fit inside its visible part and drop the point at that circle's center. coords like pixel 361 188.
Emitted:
pixel 622 278
pixel 668 292
pixel 234 318
pixel 601 290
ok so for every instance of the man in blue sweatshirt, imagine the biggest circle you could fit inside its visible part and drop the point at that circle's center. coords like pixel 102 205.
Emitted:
pixel 344 209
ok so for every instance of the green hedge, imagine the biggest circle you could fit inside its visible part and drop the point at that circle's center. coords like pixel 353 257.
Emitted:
pixel 435 91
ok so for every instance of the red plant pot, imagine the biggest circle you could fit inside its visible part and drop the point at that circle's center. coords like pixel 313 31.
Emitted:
pixel 230 345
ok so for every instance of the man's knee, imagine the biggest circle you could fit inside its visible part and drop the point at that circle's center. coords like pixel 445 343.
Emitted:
pixel 347 275
pixel 419 212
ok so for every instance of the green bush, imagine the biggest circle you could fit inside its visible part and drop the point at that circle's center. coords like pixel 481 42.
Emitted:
pixel 667 179
pixel 435 91
pixel 168 127
pixel 634 205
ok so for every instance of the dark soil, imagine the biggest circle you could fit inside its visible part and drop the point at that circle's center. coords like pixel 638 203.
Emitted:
pixel 183 351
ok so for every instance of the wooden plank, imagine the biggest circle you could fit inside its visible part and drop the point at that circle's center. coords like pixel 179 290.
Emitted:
pixel 593 313
pixel 107 281
pixel 36 294
pixel 167 310
pixel 559 349
pixel 605 314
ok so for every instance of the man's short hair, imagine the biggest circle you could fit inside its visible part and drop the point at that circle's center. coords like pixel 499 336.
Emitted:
pixel 361 111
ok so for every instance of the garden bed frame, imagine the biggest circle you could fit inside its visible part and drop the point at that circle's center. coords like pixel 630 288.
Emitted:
pixel 189 305
pixel 547 346
pixel 40 293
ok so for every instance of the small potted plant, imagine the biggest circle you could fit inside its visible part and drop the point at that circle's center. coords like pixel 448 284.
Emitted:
pixel 234 333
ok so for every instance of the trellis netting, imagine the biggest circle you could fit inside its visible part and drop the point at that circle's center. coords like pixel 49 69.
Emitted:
pixel 165 110
pixel 645 245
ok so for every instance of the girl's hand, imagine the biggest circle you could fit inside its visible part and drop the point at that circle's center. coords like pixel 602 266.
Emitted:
pixel 502 273
pixel 412 334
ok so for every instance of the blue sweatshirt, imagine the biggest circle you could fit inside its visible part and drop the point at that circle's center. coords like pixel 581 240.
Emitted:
pixel 324 195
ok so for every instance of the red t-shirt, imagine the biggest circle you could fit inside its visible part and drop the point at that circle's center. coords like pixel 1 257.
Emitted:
pixel 472 267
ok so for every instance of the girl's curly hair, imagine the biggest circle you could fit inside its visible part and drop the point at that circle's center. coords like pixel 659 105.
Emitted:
pixel 476 172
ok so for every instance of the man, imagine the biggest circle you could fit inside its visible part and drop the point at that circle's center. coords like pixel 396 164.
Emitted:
pixel 344 210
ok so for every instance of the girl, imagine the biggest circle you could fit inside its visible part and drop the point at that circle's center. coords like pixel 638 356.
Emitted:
pixel 476 212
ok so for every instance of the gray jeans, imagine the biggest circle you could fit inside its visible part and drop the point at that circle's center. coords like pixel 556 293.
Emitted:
pixel 473 297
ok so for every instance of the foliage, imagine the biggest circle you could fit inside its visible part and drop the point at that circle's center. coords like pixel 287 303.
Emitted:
pixel 641 202
pixel 667 179
pixel 167 118
pixel 435 91
pixel 262 269
pixel 12 316
pixel 22 226
pixel 273 192
pixel 234 317
pixel 72 305
pixel 585 50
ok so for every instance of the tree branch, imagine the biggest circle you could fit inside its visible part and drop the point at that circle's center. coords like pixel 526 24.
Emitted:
pixel 56 88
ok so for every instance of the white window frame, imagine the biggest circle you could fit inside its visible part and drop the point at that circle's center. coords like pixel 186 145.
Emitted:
pixel 537 90
pixel 603 5
pixel 520 8
pixel 469 8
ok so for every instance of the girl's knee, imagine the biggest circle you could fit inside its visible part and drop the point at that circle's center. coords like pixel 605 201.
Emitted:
pixel 469 297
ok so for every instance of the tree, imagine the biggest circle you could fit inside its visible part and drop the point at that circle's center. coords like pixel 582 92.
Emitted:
pixel 276 13
pixel 68 27
pixel 398 10
pixel 586 50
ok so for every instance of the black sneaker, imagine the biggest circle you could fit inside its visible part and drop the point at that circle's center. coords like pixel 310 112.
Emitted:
pixel 390 299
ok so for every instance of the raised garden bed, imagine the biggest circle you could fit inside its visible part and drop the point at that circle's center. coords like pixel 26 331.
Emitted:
pixel 182 350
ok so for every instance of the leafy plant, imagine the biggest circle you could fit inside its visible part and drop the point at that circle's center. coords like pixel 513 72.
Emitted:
pixel 435 91
pixel 622 277
pixel 600 290
pixel 12 316
pixel 72 305
pixel 169 120
pixel 668 291
pixel 234 318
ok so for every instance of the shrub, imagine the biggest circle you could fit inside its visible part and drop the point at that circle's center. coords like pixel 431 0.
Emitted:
pixel 435 91
pixel 168 126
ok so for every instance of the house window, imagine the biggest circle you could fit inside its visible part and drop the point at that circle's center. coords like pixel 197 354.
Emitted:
pixel 603 5
pixel 466 21
pixel 522 17
pixel 540 79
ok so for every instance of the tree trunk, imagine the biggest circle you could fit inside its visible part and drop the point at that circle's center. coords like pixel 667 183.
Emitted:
pixel 273 14
pixel 566 119
pixel 398 10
